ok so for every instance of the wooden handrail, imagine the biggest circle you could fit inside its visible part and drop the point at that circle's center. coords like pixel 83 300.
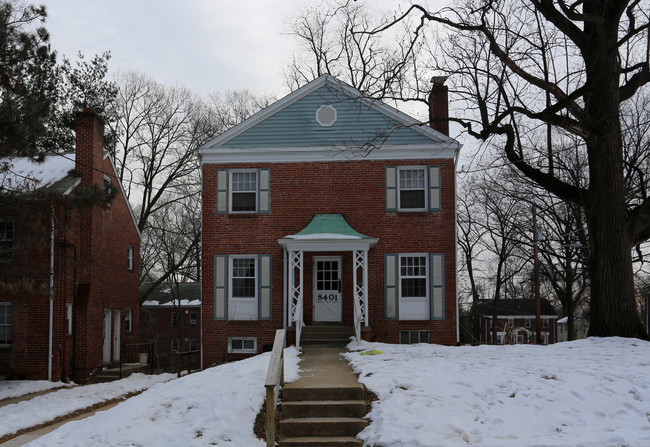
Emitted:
pixel 274 380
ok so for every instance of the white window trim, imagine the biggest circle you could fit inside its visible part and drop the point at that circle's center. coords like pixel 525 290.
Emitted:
pixel 129 257
pixel 425 189
pixel 427 289
pixel 129 320
pixel 232 301
pixel 242 351
pixel 255 190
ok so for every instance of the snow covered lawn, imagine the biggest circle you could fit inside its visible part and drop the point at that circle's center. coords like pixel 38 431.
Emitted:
pixel 215 407
pixel 17 388
pixel 593 392
pixel 50 406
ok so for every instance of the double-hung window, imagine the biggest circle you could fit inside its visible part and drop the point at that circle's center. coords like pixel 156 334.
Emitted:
pixel 5 323
pixel 243 191
pixel 412 188
pixel 6 240
pixel 129 257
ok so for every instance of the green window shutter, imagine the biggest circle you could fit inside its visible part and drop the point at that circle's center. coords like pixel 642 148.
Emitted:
pixel 222 191
pixel 391 287
pixel 437 286
pixel 434 188
pixel 220 287
pixel 263 193
pixel 391 188
pixel 265 287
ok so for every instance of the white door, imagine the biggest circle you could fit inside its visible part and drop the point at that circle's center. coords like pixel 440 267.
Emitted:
pixel 107 335
pixel 117 315
pixel 327 289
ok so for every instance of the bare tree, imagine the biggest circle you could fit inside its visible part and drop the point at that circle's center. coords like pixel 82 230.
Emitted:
pixel 523 66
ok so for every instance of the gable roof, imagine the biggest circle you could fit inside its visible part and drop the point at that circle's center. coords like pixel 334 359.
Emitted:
pixel 289 128
pixel 165 294
pixel 515 307
pixel 55 173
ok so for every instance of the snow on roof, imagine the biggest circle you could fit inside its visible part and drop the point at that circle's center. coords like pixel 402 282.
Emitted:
pixel 172 303
pixel 25 172
pixel 563 320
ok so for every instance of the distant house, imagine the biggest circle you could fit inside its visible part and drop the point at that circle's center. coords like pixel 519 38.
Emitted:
pixel 581 328
pixel 516 321
pixel 69 262
pixel 170 319
pixel 329 209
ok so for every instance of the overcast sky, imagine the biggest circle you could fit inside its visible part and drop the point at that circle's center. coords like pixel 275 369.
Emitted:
pixel 206 45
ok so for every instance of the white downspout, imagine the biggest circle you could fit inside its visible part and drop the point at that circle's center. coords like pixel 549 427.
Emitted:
pixel 456 241
pixel 50 329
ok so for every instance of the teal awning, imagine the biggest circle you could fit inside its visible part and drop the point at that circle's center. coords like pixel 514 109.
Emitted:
pixel 328 232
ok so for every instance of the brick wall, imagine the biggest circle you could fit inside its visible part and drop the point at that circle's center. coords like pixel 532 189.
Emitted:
pixel 354 188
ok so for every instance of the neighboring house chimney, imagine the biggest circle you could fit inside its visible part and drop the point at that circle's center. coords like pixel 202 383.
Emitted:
pixel 439 105
pixel 90 146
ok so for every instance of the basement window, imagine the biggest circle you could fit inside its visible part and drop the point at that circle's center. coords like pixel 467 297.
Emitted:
pixel 242 345
pixel 413 337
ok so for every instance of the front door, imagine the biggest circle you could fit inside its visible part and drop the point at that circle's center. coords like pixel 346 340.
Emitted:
pixel 327 289
pixel 107 335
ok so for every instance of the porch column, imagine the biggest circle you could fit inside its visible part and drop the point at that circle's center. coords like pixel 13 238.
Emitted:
pixel 296 292
pixel 360 277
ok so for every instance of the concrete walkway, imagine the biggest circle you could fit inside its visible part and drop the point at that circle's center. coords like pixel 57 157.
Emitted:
pixel 324 367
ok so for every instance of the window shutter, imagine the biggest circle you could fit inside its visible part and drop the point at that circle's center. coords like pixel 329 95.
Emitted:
pixel 220 287
pixel 263 195
pixel 391 284
pixel 222 191
pixel 434 188
pixel 391 188
pixel 265 287
pixel 437 286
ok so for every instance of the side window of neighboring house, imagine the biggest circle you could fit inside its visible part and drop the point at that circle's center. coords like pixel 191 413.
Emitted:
pixel 175 346
pixel 412 188
pixel 194 317
pixel 129 320
pixel 527 322
pixel 194 345
pixel 6 240
pixel 545 322
pixel 511 322
pixel 5 323
pixel 414 286
pixel 243 191
pixel 242 287
pixel 175 319
pixel 129 257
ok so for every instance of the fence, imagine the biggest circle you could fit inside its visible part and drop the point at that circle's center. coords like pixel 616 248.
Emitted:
pixel 190 361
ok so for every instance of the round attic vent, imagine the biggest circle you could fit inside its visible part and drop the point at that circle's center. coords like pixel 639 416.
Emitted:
pixel 326 115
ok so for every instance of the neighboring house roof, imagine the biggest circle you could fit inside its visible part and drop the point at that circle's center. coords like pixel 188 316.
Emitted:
pixel 515 308
pixel 55 173
pixel 291 130
pixel 167 295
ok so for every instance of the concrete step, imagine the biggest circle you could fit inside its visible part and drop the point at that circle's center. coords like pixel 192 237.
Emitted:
pixel 324 408
pixel 350 392
pixel 334 426
pixel 316 441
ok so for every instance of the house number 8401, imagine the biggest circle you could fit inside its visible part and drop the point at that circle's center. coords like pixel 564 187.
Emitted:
pixel 327 297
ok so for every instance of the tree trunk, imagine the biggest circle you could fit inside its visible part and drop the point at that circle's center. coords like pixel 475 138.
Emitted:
pixel 613 307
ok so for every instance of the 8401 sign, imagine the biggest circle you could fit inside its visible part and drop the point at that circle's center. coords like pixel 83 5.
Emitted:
pixel 327 297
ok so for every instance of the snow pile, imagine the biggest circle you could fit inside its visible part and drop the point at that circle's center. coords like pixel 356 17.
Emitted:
pixel 16 388
pixel 50 406
pixel 593 392
pixel 214 407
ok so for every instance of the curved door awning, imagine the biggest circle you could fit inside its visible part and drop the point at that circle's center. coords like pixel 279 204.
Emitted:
pixel 328 232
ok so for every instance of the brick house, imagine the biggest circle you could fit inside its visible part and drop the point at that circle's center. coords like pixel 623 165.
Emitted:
pixel 170 319
pixel 329 208
pixel 69 262
pixel 516 320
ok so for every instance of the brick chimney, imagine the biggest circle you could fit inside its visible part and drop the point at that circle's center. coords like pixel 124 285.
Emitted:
pixel 439 105
pixel 89 128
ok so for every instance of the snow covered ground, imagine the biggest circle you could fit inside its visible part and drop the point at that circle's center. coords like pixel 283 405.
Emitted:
pixel 589 393
pixel 215 407
pixel 48 407
pixel 593 392
pixel 17 388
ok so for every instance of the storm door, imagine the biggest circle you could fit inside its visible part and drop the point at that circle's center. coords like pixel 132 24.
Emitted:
pixel 327 289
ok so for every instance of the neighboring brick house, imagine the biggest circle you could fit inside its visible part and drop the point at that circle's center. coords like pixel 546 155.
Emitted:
pixel 69 262
pixel 170 319
pixel 329 208
pixel 515 319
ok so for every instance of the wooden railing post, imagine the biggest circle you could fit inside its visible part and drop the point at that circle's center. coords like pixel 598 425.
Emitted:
pixel 274 380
